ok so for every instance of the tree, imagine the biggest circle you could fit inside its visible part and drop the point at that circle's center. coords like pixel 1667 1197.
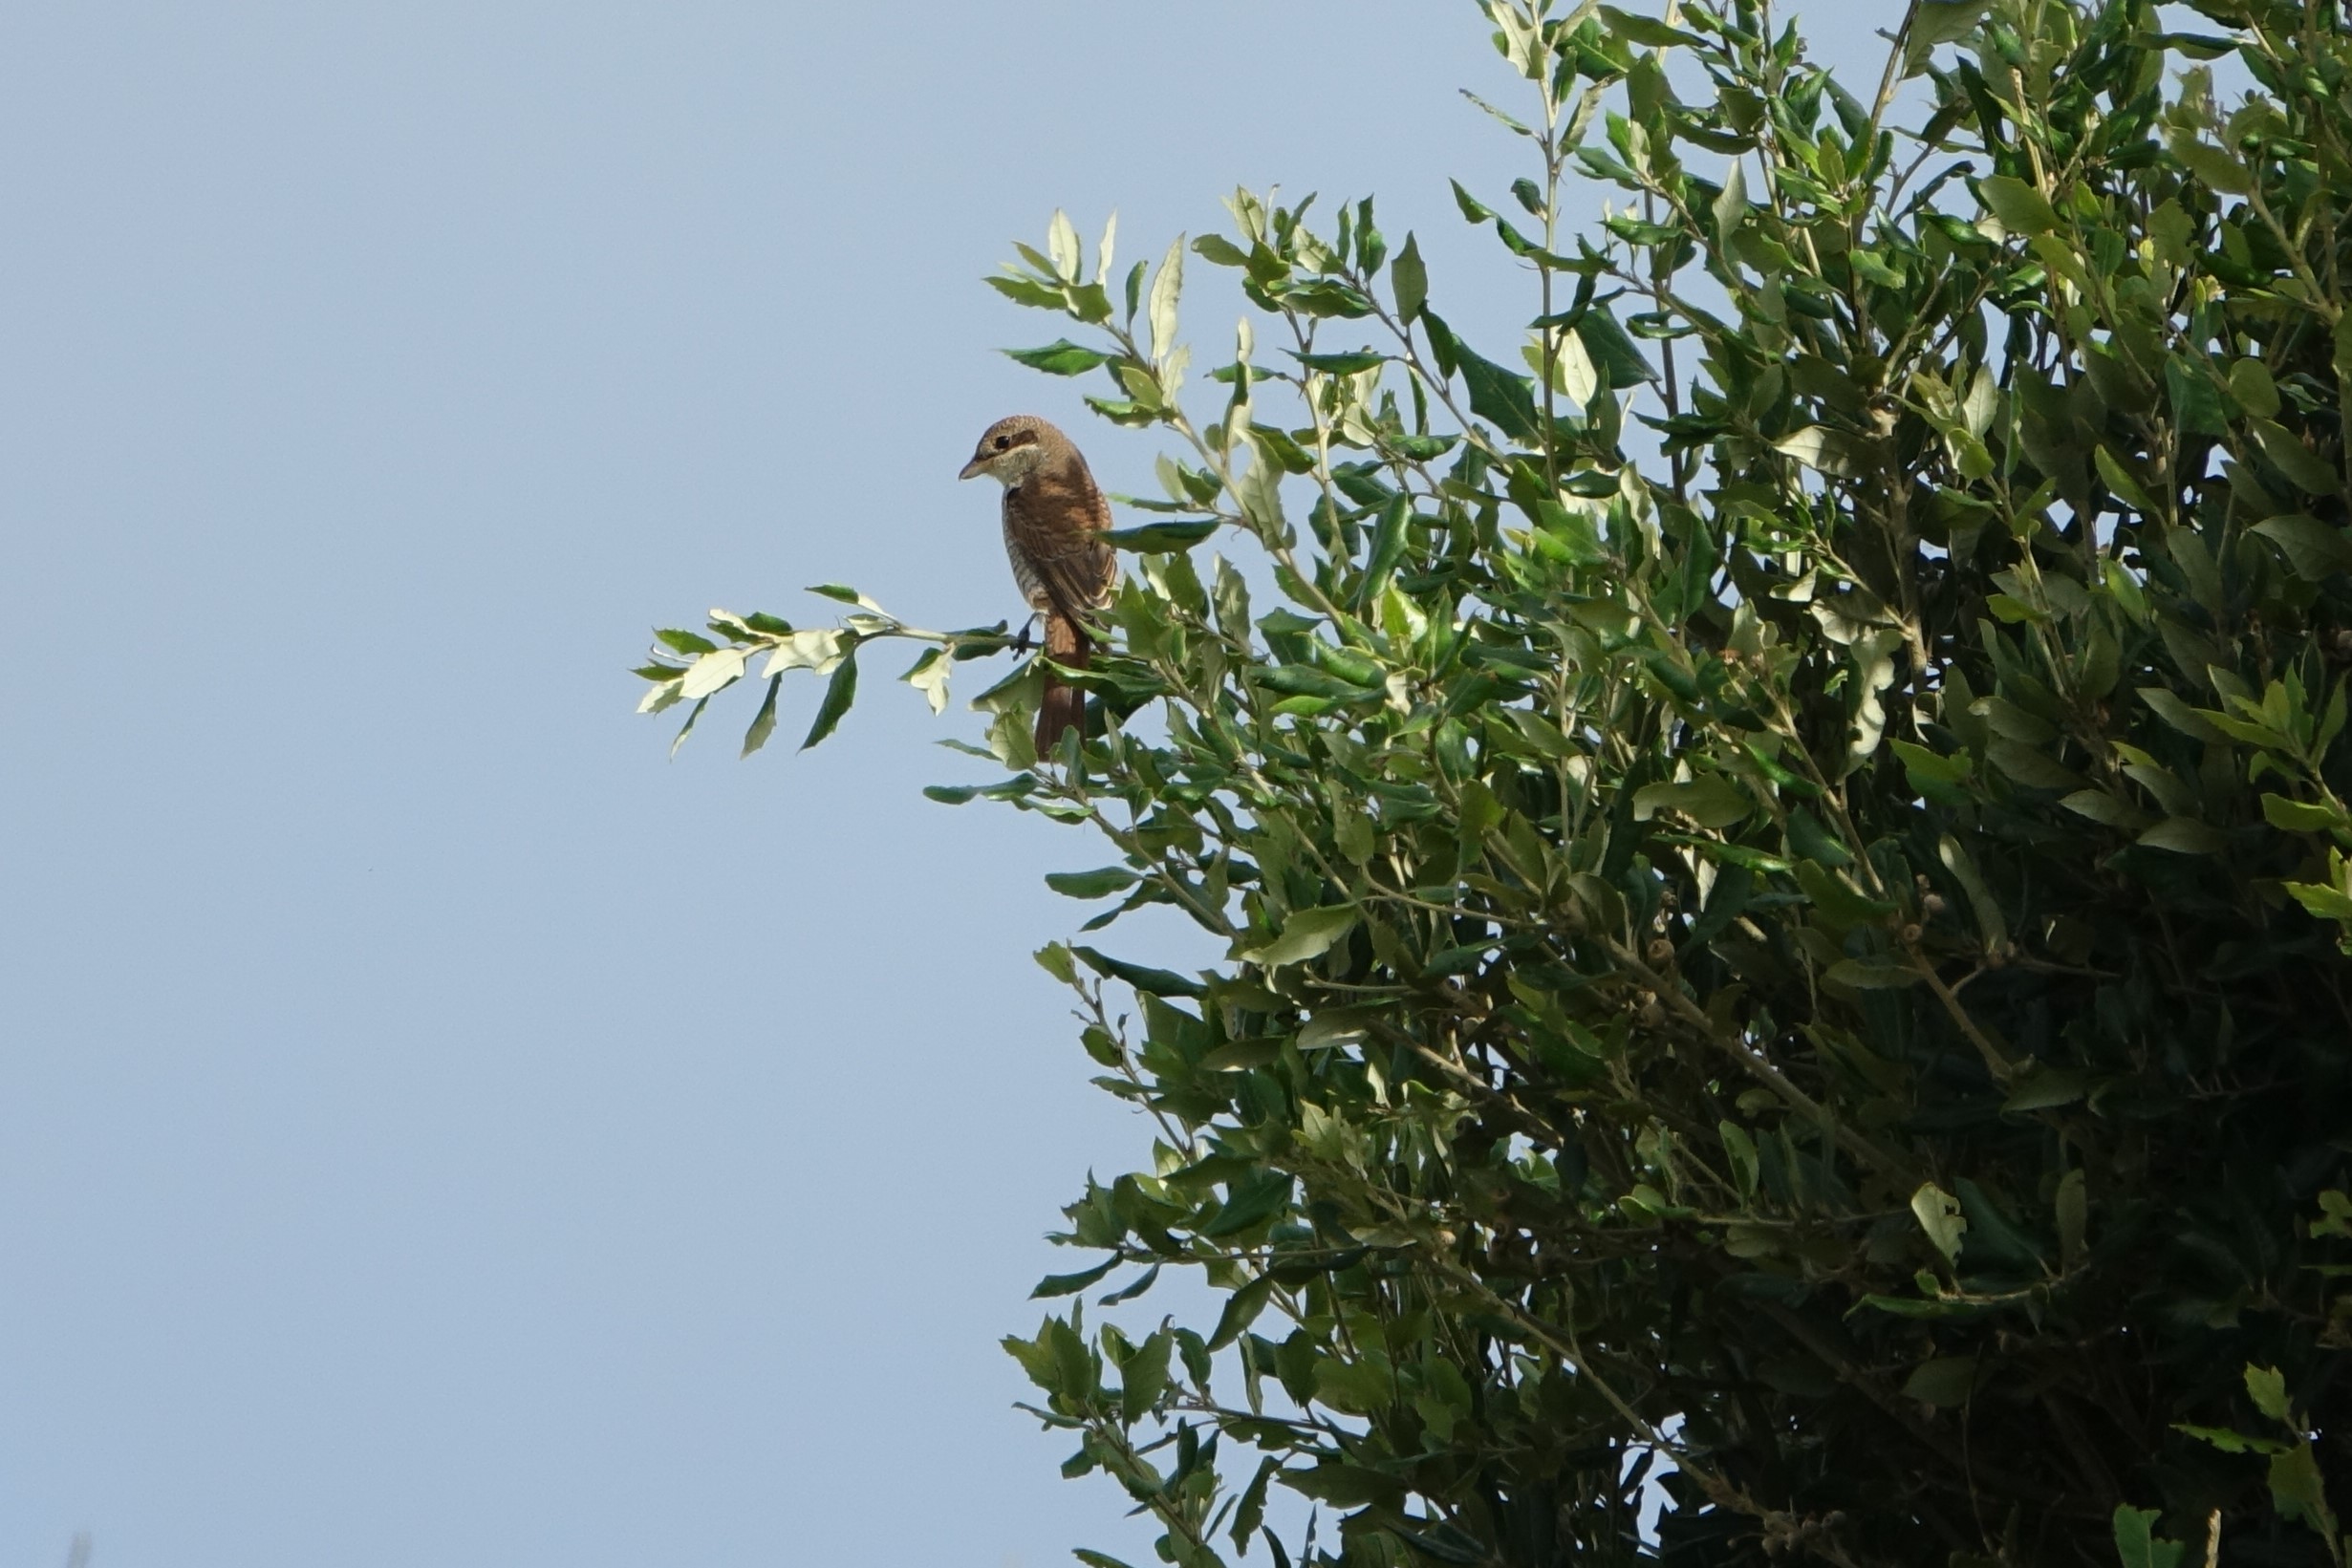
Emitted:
pixel 1784 847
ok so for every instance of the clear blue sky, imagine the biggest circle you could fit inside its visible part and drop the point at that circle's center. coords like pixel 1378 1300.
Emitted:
pixel 435 1130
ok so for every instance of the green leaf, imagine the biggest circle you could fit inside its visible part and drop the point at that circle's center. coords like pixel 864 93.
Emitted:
pixel 1061 358
pixel 1409 281
pixel 1712 801
pixel 1035 1355
pixel 1241 1055
pixel 1326 297
pixel 1100 884
pixel 764 725
pixel 2301 817
pixel 1991 924
pixel 1022 291
pixel 1062 244
pixel 839 692
pixel 2195 397
pixel 1901 1306
pixel 2213 167
pixel 1731 203
pixel 1944 1381
pixel 1151 982
pixel 1309 934
pixel 1740 1149
pixel 1070 1284
pixel 1161 538
pixel 2184 836
pixel 2250 385
pixel 1251 1512
pixel 1636 28
pixel 2030 766
pixel 1143 1377
pixel 1142 1283
pixel 687 728
pixel 1934 22
pixel 2228 1441
pixel 1095 1560
pixel 1242 1309
pixel 1337 1027
pixel 685 642
pixel 2045 1088
pixel 713 671
pixel 1837 453
pixel 929 676
pixel 1359 1386
pixel 2304 467
pixel 2298 1494
pixel 1219 251
pixel 2020 207
pixel 2120 479
pixel 2324 901
pixel 1166 286
pixel 1612 351
pixel 2267 1387
pixel 2197 46
pixel 1841 907
pixel 1254 1200
pixel 1938 1214
pixel 1496 393
pixel 1872 975
pixel 2314 549
pixel 2136 1543
pixel 1103 252
pixel 1304 680
pixel 2104 808
pixel 1134 289
pixel 1340 364
pixel 2167 705
pixel 2335 1216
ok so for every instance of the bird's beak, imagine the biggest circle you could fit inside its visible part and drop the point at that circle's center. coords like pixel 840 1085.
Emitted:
pixel 974 469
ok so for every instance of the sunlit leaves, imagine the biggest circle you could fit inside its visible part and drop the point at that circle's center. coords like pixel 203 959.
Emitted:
pixel 719 668
pixel 1167 286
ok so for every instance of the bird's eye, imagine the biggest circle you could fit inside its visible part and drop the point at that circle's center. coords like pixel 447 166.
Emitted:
pixel 1003 442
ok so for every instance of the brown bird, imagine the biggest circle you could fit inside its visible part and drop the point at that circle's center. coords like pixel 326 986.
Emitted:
pixel 1054 519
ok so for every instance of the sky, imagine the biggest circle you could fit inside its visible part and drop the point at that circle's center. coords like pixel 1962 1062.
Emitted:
pixel 434 1128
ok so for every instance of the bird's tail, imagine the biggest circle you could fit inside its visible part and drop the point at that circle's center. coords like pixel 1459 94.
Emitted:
pixel 1063 706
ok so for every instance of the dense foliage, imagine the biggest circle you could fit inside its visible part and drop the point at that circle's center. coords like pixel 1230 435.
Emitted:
pixel 1784 847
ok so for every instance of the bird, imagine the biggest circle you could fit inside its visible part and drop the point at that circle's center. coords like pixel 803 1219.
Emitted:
pixel 1054 521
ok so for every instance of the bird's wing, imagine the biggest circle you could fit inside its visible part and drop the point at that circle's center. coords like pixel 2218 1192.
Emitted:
pixel 1054 525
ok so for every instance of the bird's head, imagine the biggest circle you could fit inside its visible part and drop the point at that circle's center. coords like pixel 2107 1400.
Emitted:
pixel 1011 447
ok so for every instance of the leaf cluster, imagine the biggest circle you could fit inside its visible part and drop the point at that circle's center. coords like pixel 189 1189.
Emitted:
pixel 1782 850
